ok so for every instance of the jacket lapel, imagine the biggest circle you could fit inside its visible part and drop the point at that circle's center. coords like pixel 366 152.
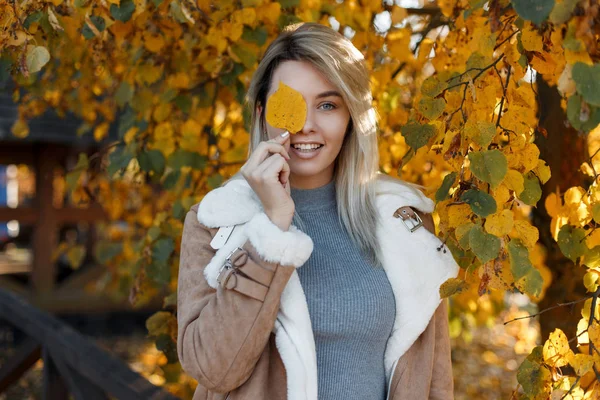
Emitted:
pixel 414 266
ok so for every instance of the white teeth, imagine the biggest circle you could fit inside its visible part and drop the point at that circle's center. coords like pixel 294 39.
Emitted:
pixel 306 146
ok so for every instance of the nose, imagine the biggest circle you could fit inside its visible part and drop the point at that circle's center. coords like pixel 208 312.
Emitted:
pixel 310 123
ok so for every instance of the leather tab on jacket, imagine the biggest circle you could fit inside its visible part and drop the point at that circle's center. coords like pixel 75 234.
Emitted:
pixel 245 286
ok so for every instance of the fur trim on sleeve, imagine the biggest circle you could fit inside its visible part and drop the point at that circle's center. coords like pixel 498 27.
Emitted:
pixel 292 247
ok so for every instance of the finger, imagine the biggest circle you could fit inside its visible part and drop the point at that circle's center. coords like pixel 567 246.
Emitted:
pixel 264 150
pixel 272 167
pixel 285 173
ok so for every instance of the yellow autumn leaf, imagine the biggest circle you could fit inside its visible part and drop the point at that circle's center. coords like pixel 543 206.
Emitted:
pixel 501 194
pixel 528 233
pixel 459 214
pixel 153 43
pixel 499 224
pixel 556 349
pixel 543 171
pixel 531 39
pixel 514 181
pixel 75 256
pixel 20 129
pixel 101 131
pixel 286 109
pixel 590 280
pixel 553 204
pixel 582 363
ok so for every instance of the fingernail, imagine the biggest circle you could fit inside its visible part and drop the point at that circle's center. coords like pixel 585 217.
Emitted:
pixel 285 134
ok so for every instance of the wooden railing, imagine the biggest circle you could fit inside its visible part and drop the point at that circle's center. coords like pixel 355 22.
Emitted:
pixel 73 364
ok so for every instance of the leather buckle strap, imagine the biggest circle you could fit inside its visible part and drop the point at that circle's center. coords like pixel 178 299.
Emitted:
pixel 411 220
pixel 246 286
pixel 229 277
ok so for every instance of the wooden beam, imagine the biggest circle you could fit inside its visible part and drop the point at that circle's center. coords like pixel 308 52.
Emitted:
pixel 79 387
pixel 16 153
pixel 25 356
pixel 45 232
pixel 25 215
pixel 29 215
pixel 93 213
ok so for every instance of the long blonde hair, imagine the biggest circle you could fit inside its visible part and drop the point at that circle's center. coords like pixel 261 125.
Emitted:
pixel 356 167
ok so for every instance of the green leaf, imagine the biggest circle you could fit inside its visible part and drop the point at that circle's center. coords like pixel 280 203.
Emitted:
pixel 484 245
pixel 162 249
pixel 258 35
pixel 246 55
pixel 127 120
pixel 73 176
pixel 31 18
pixel 431 108
pixel 288 3
pixel 481 203
pixel 562 11
pixel 124 94
pixel 104 250
pixel 433 86
pixel 587 81
pixel 170 300
pixel 98 22
pixel 535 11
pixel 442 192
pixel 483 132
pixel 118 159
pixel 166 344
pixel 124 11
pixel 159 272
pixel 526 276
pixel 214 181
pixel 157 2
pixel 36 58
pixel 152 160
pixel 533 376
pixel 417 135
pixel 171 179
pixel 571 241
pixel 182 158
pixel 532 192
pixel 490 166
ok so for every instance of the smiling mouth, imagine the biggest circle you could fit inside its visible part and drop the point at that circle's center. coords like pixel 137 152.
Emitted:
pixel 306 148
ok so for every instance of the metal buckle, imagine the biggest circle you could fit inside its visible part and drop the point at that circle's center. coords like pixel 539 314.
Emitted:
pixel 404 216
pixel 229 267
pixel 415 225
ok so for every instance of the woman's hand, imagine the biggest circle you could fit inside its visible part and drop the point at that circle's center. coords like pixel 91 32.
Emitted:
pixel 268 172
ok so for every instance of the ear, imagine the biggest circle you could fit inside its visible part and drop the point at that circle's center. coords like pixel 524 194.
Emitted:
pixel 259 109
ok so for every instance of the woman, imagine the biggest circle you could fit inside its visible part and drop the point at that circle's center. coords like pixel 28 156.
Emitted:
pixel 346 308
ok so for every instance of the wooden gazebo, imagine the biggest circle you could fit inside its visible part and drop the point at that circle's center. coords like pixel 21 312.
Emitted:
pixel 52 142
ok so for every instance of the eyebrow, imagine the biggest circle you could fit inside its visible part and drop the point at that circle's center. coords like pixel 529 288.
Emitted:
pixel 329 93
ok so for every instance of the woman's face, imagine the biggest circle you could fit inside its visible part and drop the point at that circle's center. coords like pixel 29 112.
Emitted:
pixel 326 122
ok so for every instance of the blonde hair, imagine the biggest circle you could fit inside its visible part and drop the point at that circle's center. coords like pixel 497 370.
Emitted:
pixel 356 167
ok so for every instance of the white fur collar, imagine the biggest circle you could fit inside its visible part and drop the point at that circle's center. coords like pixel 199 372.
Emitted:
pixel 414 268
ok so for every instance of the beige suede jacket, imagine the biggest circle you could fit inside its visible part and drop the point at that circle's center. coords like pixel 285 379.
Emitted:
pixel 249 336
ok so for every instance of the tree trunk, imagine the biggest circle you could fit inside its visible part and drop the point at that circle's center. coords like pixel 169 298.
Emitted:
pixel 564 150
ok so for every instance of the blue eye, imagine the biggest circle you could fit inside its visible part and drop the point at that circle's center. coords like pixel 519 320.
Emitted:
pixel 329 104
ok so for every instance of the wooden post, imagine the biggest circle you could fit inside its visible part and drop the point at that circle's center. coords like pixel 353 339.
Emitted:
pixel 54 387
pixel 46 230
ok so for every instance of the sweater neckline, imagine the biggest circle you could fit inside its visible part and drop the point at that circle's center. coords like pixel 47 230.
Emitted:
pixel 320 198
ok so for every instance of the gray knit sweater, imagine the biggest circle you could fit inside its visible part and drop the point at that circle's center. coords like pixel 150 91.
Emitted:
pixel 350 302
